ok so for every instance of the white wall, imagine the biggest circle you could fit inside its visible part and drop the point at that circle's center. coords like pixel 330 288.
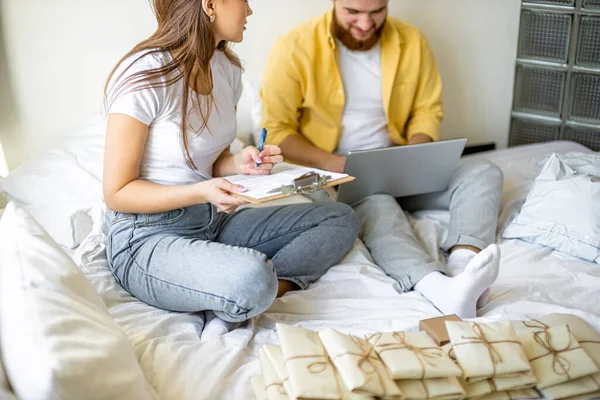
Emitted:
pixel 59 52
pixel 8 119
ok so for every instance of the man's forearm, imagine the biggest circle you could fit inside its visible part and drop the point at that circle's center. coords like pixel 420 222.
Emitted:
pixel 296 149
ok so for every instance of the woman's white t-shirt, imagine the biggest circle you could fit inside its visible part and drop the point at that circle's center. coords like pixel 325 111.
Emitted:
pixel 164 160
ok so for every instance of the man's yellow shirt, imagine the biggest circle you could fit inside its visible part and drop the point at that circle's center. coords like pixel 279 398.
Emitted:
pixel 302 90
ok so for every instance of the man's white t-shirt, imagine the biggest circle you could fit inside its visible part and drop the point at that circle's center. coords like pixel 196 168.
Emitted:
pixel 164 160
pixel 364 123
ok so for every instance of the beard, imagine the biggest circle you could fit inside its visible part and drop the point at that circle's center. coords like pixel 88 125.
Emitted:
pixel 345 36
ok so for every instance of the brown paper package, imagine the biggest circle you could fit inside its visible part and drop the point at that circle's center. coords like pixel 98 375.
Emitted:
pixel 436 328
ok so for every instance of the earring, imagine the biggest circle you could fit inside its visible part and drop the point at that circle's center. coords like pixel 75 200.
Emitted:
pixel 212 18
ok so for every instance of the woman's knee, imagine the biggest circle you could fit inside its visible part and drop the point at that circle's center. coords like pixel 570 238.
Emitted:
pixel 252 292
pixel 345 219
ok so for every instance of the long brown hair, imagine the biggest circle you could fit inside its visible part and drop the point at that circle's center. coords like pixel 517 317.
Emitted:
pixel 185 31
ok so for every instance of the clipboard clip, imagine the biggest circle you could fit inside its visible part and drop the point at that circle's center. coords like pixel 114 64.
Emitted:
pixel 305 184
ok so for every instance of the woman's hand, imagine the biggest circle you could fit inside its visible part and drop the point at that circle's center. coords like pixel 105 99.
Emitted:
pixel 245 161
pixel 219 191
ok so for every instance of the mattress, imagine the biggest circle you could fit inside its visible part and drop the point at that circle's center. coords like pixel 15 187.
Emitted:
pixel 354 297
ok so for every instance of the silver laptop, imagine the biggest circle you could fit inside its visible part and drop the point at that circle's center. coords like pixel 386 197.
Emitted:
pixel 401 171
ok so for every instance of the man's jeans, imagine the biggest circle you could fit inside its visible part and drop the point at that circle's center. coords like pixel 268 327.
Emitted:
pixel 473 198
pixel 195 259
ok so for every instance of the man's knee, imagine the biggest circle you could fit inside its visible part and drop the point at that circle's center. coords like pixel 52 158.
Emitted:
pixel 375 207
pixel 480 171
pixel 482 167
pixel 376 201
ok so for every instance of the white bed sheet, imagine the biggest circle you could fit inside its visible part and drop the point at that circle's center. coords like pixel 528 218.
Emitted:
pixel 354 297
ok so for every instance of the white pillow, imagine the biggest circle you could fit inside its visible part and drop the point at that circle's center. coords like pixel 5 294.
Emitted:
pixel 60 187
pixel 562 210
pixel 6 392
pixel 252 91
pixel 55 187
pixel 58 339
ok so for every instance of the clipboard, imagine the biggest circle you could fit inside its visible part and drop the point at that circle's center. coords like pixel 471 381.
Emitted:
pixel 284 181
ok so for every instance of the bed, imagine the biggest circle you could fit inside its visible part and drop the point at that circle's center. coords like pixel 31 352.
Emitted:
pixel 354 296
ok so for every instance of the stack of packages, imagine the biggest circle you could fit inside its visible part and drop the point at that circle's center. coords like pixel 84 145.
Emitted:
pixel 564 353
pixel 331 365
pixel 421 369
pixel 558 355
pixel 492 359
pixel 325 365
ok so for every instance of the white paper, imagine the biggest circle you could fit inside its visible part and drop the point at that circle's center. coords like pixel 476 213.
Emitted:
pixel 263 186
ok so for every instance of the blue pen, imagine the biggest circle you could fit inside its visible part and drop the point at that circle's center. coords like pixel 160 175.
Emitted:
pixel 263 137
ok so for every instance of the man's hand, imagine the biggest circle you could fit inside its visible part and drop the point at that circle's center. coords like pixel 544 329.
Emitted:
pixel 419 138
pixel 335 163
pixel 298 150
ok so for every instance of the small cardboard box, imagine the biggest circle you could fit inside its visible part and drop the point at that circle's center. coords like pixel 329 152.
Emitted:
pixel 436 328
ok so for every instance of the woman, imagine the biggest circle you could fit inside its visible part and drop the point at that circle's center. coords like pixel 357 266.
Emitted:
pixel 171 118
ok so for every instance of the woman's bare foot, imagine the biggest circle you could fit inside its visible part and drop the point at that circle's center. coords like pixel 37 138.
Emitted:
pixel 285 286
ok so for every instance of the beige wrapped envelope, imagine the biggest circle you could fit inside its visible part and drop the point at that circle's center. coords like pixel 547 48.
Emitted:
pixel 273 385
pixel 579 387
pixel 478 389
pixel 275 356
pixel 472 390
pixel 524 394
pixel 360 368
pixel 258 386
pixel 589 340
pixel 413 355
pixel 487 350
pixel 522 381
pixel 594 395
pixel 484 388
pixel 310 371
pixel 435 388
pixel 555 355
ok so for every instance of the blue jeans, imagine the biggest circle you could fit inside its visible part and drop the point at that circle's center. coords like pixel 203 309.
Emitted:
pixel 473 198
pixel 195 258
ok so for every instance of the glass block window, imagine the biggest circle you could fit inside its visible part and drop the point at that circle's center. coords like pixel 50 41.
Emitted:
pixel 526 131
pixel 557 75
pixel 539 90
pixel 545 36
pixel 587 137
pixel 585 104
pixel 588 52
pixel 553 2
pixel 591 4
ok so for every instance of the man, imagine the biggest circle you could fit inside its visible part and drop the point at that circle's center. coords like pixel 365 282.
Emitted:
pixel 354 79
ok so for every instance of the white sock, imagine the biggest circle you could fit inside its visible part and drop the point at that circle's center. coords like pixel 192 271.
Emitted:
pixel 458 295
pixel 484 298
pixel 458 260
pixel 215 327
